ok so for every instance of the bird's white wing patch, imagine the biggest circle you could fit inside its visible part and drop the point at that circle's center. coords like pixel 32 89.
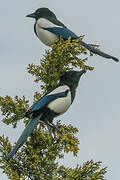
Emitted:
pixel 45 23
pixel 60 89
pixel 60 105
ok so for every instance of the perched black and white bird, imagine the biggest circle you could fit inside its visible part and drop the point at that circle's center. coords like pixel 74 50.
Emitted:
pixel 48 28
pixel 51 105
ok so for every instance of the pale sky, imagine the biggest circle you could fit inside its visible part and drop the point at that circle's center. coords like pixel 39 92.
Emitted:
pixel 96 109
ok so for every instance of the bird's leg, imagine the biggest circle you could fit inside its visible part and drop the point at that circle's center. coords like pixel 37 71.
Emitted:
pixel 51 125
pixel 46 123
pixel 56 128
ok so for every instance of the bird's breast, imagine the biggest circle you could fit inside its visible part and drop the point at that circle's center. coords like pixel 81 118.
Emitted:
pixel 60 105
pixel 45 36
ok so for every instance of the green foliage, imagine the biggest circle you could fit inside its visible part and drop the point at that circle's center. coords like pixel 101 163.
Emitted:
pixel 89 171
pixel 13 110
pixel 38 155
pixel 64 56
pixel 36 159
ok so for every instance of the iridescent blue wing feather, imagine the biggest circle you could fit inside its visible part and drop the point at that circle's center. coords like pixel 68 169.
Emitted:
pixel 63 32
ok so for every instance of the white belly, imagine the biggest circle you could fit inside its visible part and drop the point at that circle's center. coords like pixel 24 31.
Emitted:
pixel 45 36
pixel 60 105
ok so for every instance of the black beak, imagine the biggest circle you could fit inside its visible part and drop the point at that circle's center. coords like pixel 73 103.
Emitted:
pixel 31 15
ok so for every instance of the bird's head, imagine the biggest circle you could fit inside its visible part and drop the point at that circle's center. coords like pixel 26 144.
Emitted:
pixel 71 78
pixel 42 13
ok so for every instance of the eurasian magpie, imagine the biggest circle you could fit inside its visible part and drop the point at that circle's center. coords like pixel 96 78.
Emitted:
pixel 51 105
pixel 48 28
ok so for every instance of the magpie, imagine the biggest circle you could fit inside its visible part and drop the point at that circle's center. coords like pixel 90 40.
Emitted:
pixel 51 105
pixel 48 28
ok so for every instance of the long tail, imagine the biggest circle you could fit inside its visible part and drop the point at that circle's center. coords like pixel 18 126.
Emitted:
pixel 27 131
pixel 97 51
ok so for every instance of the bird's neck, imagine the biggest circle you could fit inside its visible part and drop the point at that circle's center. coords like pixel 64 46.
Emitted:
pixel 73 92
pixel 35 28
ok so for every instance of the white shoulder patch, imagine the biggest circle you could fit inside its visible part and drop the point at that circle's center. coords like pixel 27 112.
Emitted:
pixel 60 89
pixel 45 23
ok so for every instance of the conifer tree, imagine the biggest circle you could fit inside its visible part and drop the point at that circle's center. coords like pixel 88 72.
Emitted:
pixel 36 160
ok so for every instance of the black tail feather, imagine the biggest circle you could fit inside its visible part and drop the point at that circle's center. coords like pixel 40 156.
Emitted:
pixel 27 131
pixel 97 51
